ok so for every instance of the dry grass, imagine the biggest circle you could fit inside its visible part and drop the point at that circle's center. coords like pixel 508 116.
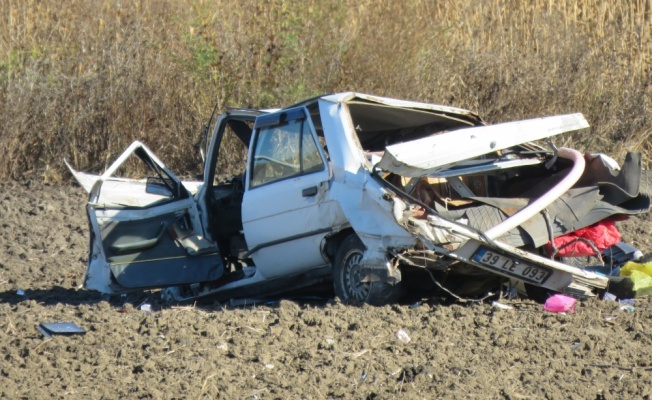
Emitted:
pixel 83 79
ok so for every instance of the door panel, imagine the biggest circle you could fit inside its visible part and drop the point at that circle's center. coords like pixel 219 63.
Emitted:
pixel 147 252
pixel 146 232
pixel 284 229
pixel 286 209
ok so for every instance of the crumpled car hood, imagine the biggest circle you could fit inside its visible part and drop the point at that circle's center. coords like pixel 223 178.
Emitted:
pixel 431 154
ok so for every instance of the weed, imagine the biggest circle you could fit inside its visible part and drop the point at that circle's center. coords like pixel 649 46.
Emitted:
pixel 84 79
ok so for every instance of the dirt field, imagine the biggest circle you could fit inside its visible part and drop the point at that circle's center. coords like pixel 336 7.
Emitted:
pixel 289 349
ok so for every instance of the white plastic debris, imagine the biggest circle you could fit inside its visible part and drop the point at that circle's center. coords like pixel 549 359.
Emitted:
pixel 403 336
pixel 609 296
pixel 501 306
pixel 20 292
pixel 146 307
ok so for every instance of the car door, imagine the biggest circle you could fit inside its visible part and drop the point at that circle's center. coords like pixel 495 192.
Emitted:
pixel 145 233
pixel 286 209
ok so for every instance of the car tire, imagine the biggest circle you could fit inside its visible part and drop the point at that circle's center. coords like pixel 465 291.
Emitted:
pixel 347 276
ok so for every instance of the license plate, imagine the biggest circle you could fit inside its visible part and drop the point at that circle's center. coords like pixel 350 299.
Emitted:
pixel 510 266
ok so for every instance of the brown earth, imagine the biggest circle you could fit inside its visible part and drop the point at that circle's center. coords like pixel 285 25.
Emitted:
pixel 289 349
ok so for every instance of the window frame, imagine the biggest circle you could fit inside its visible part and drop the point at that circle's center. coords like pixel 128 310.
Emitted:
pixel 278 120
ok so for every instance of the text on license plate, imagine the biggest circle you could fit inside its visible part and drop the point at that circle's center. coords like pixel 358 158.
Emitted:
pixel 511 267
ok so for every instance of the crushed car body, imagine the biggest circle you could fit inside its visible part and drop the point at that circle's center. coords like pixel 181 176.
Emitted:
pixel 367 192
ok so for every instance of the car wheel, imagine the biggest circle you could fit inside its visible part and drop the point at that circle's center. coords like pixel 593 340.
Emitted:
pixel 348 277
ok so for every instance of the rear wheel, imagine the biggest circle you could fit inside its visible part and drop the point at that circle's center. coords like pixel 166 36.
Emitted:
pixel 349 278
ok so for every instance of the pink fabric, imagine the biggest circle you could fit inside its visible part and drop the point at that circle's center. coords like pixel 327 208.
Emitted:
pixel 603 234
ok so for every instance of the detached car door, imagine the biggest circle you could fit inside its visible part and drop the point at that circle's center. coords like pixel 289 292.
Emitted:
pixel 286 210
pixel 145 233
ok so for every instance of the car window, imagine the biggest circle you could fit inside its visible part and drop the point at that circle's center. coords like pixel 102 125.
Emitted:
pixel 284 151
pixel 311 158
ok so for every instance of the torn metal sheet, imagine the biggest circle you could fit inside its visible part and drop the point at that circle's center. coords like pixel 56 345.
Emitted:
pixel 349 98
pixel 429 155
pixel 86 181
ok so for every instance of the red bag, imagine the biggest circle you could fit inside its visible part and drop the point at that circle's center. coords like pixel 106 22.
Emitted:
pixel 602 234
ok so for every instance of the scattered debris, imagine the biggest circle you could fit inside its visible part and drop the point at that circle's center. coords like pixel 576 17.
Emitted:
pixel 403 336
pixel 559 303
pixel 59 328
pixel 609 296
pixel 627 308
pixel 640 274
pixel 359 353
pixel 501 306
pixel 20 292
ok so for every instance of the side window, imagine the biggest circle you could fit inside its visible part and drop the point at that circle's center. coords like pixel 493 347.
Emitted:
pixel 284 151
pixel 311 158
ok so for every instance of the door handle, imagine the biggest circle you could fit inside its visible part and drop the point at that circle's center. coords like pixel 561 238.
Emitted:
pixel 309 192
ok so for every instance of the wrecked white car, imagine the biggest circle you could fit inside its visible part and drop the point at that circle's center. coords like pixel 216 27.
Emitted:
pixel 375 194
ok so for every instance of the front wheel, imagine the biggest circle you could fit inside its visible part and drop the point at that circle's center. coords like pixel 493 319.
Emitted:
pixel 349 281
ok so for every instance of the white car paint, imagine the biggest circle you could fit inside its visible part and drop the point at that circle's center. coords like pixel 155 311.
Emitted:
pixel 348 196
pixel 429 155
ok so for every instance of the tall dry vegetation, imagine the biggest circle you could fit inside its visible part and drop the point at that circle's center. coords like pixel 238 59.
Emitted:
pixel 83 79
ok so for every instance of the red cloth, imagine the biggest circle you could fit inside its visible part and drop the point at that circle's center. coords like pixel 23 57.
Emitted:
pixel 602 234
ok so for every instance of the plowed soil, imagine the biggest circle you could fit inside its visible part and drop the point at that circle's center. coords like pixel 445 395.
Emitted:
pixel 291 348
